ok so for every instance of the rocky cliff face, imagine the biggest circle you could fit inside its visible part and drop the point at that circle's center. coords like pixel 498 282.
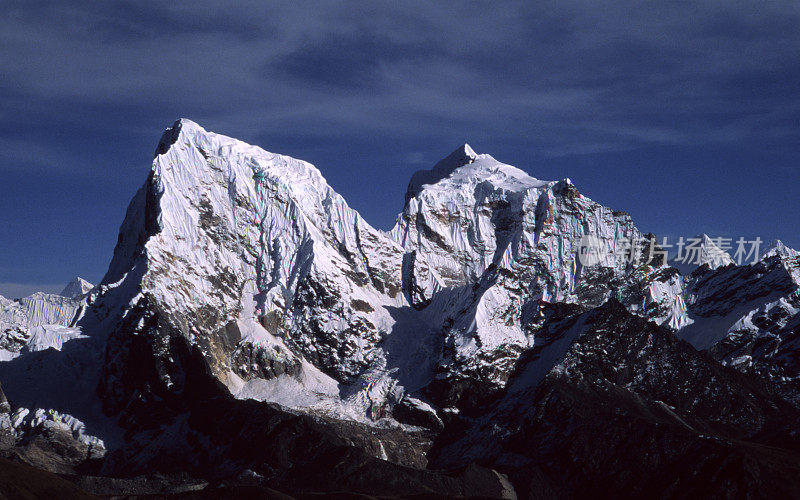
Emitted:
pixel 502 317
pixel 764 338
pixel 612 401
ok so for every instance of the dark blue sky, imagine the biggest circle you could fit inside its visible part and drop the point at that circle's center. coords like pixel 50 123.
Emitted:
pixel 684 114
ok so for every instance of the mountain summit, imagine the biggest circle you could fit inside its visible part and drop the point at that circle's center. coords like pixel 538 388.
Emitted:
pixel 76 288
pixel 461 156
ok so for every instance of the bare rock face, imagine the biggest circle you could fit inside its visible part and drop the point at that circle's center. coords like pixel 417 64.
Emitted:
pixel 47 439
pixel 5 407
pixel 612 401
pixel 23 481
pixel 765 337
pixel 6 429
pixel 52 445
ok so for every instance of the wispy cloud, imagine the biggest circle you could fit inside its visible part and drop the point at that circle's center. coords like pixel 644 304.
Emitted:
pixel 653 75
pixel 35 156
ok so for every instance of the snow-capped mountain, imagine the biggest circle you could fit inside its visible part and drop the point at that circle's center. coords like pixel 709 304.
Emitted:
pixel 77 288
pixel 251 258
pixel 494 243
pixel 698 252
pixel 291 296
pixel 778 247
pixel 497 304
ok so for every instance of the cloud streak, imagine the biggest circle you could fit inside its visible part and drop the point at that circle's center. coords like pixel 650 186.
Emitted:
pixel 326 70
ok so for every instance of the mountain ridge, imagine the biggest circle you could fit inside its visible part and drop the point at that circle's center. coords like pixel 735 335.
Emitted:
pixel 240 276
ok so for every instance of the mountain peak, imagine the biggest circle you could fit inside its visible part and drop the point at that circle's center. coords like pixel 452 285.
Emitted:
pixel 778 247
pixel 462 155
pixel 465 169
pixel 712 254
pixel 76 288
pixel 172 133
pixel 702 250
